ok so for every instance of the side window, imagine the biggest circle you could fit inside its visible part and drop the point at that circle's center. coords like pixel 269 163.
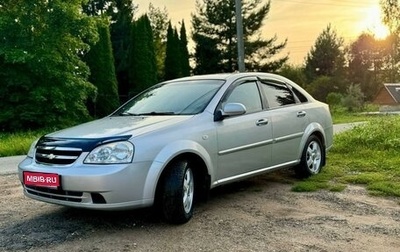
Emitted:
pixel 299 95
pixel 248 95
pixel 277 94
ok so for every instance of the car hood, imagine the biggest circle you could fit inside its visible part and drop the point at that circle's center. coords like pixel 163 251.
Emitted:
pixel 119 126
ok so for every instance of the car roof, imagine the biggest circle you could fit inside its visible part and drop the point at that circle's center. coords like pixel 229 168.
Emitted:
pixel 236 75
pixel 227 76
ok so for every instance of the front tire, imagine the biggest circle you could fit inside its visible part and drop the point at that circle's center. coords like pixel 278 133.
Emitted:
pixel 312 158
pixel 178 193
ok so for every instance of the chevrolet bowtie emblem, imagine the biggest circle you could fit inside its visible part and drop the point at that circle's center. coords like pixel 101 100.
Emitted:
pixel 51 156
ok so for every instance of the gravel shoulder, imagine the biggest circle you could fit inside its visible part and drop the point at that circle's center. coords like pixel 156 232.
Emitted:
pixel 260 214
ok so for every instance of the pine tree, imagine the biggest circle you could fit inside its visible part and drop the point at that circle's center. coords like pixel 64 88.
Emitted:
pixel 214 25
pixel 207 55
pixel 325 65
pixel 326 57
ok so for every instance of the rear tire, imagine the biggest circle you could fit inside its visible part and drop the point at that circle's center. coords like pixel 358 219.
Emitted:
pixel 312 158
pixel 177 196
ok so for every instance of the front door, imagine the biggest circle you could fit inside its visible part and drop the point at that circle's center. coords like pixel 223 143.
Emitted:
pixel 244 141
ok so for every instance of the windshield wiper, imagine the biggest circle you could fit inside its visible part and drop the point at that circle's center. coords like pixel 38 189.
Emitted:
pixel 157 113
pixel 127 114
pixel 145 114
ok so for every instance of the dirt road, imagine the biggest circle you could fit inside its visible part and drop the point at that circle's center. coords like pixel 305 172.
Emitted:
pixel 260 214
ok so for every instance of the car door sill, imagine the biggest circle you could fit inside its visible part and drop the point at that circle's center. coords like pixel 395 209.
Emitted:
pixel 253 173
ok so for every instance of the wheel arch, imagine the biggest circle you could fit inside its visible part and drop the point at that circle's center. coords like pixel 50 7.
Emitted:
pixel 318 131
pixel 202 179
pixel 194 153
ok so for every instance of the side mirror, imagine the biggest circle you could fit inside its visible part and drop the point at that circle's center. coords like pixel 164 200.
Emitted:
pixel 230 109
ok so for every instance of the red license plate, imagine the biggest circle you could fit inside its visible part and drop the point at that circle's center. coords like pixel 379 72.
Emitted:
pixel 41 179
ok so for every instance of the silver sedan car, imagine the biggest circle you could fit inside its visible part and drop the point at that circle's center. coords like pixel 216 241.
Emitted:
pixel 168 146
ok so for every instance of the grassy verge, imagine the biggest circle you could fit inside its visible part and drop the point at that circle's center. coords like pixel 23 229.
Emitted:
pixel 12 144
pixel 341 115
pixel 367 155
pixel 351 117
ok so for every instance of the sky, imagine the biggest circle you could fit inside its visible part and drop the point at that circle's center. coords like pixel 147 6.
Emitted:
pixel 298 21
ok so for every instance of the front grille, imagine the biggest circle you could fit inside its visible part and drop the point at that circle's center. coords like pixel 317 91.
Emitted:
pixel 57 155
pixel 58 194
pixel 64 151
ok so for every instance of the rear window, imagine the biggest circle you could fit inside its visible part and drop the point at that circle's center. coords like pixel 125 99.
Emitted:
pixel 277 95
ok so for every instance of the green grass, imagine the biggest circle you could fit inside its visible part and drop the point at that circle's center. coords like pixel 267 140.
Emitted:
pixel 341 115
pixel 367 155
pixel 12 144
pixel 338 118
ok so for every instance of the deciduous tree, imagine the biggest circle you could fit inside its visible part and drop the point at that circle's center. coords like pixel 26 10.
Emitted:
pixel 294 73
pixel 43 80
pixel 391 17
pixel 369 63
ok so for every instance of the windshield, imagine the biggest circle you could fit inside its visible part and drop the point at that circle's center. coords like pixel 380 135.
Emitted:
pixel 176 98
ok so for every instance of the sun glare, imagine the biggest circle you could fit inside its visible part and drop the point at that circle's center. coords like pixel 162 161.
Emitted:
pixel 373 23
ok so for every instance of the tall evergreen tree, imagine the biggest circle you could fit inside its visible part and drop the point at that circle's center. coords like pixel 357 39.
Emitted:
pixel 326 57
pixel 215 25
pixel 102 73
pixel 41 44
pixel 121 27
pixel 207 55
pixel 159 24
pixel 173 62
pixel 121 13
pixel 143 66
pixel 325 65
pixel 185 67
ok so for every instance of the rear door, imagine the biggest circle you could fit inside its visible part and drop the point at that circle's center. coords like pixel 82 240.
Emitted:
pixel 288 118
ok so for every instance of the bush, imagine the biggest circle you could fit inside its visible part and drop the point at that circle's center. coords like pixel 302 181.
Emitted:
pixel 354 99
pixel 334 99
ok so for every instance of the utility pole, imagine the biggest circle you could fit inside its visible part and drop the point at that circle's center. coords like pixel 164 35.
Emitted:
pixel 239 35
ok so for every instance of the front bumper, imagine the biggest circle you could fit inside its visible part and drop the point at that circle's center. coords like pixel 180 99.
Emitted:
pixel 102 187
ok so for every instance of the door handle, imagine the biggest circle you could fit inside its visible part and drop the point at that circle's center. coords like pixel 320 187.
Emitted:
pixel 301 114
pixel 262 122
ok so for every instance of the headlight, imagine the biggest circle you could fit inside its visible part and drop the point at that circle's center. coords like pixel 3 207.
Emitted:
pixel 111 153
pixel 31 152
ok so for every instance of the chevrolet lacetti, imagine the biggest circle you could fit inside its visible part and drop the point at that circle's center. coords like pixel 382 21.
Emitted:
pixel 169 145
